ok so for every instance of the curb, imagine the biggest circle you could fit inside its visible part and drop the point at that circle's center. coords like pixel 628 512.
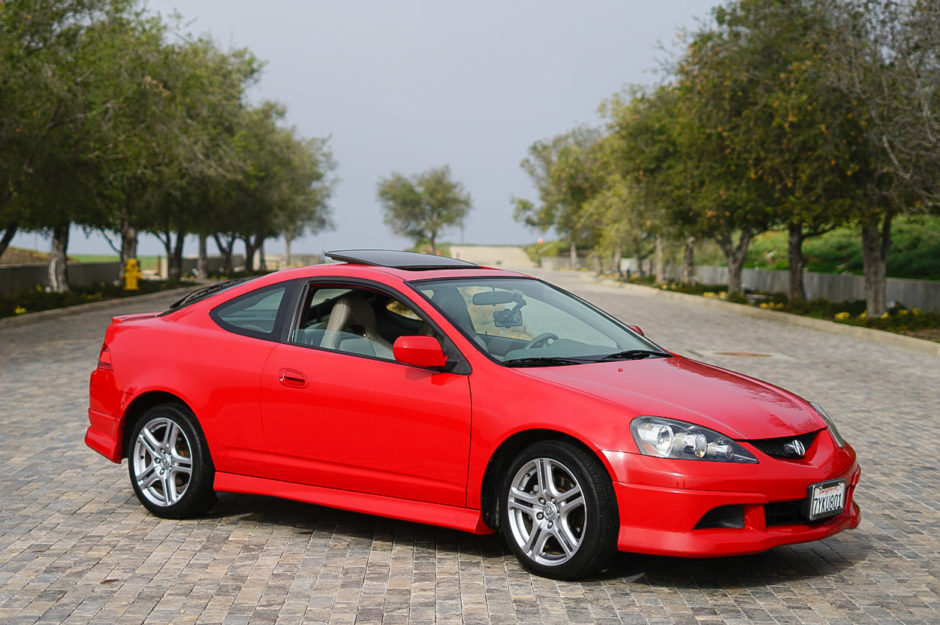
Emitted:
pixel 55 313
pixel 867 334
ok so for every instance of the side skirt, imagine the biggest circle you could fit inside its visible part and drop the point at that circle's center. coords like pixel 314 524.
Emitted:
pixel 463 519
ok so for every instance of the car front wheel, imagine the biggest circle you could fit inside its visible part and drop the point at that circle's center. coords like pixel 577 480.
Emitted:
pixel 558 511
pixel 169 463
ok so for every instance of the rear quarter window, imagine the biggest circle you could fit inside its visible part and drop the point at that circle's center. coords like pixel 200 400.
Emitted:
pixel 252 314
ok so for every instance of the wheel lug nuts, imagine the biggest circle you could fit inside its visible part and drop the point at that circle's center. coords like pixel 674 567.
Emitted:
pixel 542 501
pixel 550 524
pixel 539 516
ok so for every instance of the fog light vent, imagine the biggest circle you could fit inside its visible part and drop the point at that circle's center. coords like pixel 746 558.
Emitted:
pixel 722 517
pixel 785 513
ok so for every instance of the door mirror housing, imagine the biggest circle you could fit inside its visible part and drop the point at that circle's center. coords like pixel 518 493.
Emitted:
pixel 637 330
pixel 419 351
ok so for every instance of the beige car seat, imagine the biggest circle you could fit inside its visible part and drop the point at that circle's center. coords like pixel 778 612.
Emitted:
pixel 352 315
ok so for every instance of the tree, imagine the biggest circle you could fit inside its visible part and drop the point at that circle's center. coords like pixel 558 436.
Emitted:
pixel 885 56
pixel 714 136
pixel 203 91
pixel 642 148
pixel 49 56
pixel 284 186
pixel 423 205
pixel 796 130
pixel 305 208
pixel 566 174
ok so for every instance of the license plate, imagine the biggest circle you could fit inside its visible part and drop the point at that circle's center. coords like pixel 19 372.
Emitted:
pixel 826 499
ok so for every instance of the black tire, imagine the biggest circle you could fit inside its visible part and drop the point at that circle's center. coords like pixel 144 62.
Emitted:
pixel 169 464
pixel 558 512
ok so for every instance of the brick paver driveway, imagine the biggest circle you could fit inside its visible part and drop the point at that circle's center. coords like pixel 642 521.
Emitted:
pixel 76 547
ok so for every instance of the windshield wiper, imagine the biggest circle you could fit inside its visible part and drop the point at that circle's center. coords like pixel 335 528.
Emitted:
pixel 543 361
pixel 635 354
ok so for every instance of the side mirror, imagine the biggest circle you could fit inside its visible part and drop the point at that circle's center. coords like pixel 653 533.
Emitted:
pixel 637 330
pixel 420 351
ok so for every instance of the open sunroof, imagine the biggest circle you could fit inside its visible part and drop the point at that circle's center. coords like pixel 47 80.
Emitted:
pixel 400 260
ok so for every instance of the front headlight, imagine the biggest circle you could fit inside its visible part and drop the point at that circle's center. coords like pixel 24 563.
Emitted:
pixel 830 423
pixel 668 438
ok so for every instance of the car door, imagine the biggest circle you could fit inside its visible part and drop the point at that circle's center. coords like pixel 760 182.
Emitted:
pixel 339 412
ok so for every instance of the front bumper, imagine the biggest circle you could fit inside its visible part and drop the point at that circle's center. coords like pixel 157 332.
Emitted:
pixel 663 503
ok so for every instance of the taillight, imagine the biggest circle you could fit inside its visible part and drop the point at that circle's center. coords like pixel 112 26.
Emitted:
pixel 104 359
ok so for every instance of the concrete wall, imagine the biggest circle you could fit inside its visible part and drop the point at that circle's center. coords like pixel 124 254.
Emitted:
pixel 190 263
pixel 20 278
pixel 273 261
pixel 923 294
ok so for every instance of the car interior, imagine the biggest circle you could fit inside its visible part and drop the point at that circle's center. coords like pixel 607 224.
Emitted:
pixel 357 321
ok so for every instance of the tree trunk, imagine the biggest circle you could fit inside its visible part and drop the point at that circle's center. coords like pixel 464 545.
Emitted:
pixel 8 235
pixel 225 249
pixel 796 291
pixel 58 261
pixel 128 246
pixel 688 267
pixel 734 256
pixel 573 256
pixel 432 239
pixel 174 255
pixel 638 255
pixel 287 259
pixel 178 251
pixel 660 260
pixel 875 246
pixel 249 254
pixel 618 254
pixel 202 265
pixel 262 262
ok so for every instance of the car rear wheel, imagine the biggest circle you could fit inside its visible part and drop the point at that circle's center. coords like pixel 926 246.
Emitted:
pixel 558 510
pixel 169 463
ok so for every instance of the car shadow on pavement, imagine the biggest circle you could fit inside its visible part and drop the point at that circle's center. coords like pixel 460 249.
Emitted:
pixel 779 565
pixel 311 519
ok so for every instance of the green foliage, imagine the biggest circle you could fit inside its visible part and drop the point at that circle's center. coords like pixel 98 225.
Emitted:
pixel 423 205
pixel 546 249
pixel 915 250
pixel 39 299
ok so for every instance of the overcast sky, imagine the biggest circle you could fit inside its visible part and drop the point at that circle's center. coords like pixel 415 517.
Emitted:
pixel 405 85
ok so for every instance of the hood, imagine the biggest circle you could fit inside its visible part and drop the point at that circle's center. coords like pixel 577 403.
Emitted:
pixel 735 405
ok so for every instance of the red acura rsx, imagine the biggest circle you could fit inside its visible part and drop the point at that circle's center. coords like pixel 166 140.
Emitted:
pixel 434 390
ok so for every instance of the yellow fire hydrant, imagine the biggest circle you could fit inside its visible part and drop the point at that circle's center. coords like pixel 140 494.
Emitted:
pixel 131 275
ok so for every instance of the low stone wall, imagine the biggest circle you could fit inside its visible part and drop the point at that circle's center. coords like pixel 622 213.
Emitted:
pixel 923 294
pixel 191 262
pixel 21 278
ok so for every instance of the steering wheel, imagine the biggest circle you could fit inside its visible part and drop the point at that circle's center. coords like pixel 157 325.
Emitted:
pixel 541 339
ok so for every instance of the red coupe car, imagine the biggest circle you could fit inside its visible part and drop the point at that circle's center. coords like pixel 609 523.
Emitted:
pixel 434 390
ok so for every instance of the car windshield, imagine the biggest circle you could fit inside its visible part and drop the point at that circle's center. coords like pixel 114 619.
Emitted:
pixel 525 322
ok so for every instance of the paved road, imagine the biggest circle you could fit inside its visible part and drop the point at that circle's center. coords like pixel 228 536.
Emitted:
pixel 75 547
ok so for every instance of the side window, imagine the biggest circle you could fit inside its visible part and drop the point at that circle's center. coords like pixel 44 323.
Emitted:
pixel 254 314
pixel 355 321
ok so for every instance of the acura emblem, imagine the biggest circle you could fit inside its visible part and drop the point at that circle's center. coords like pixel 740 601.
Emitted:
pixel 795 448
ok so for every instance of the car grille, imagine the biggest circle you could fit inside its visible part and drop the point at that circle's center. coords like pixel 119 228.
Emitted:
pixel 777 447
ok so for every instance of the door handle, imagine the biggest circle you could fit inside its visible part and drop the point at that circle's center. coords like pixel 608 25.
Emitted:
pixel 292 377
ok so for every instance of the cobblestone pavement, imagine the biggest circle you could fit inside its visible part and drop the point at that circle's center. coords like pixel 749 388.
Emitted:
pixel 75 546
